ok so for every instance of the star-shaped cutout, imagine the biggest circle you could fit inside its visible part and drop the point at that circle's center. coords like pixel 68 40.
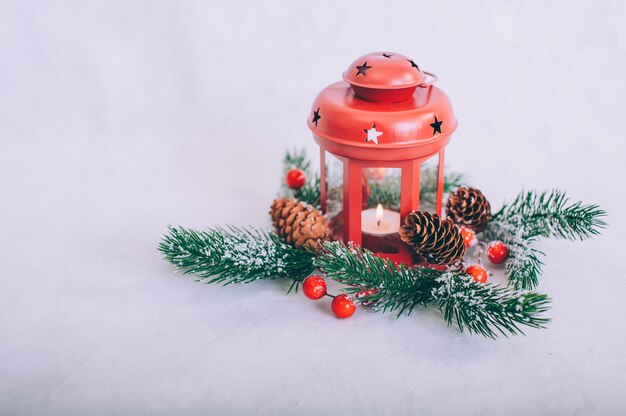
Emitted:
pixel 316 116
pixel 386 55
pixel 413 64
pixel 361 69
pixel 372 134
pixel 436 126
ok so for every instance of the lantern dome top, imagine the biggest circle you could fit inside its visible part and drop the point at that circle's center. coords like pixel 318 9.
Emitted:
pixel 384 70
pixel 385 109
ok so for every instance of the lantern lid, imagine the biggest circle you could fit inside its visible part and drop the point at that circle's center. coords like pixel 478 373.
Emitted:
pixel 384 70
pixel 386 109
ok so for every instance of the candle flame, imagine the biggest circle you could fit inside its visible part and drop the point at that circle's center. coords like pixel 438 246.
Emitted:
pixel 379 213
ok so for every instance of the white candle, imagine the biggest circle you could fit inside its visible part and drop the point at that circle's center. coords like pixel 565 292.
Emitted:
pixel 377 221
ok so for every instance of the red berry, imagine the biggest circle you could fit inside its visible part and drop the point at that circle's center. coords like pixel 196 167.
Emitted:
pixel 497 252
pixel 295 178
pixel 343 306
pixel 469 236
pixel 314 287
pixel 478 272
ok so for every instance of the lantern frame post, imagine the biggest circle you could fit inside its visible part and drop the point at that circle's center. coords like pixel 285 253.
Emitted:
pixel 440 181
pixel 352 200
pixel 410 187
pixel 323 194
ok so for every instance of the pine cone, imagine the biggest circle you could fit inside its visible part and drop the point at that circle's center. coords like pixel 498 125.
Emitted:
pixel 298 223
pixel 439 241
pixel 469 207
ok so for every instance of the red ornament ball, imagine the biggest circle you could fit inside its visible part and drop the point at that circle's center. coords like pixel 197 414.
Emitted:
pixel 343 306
pixel 497 252
pixel 295 178
pixel 314 287
pixel 478 272
pixel 469 236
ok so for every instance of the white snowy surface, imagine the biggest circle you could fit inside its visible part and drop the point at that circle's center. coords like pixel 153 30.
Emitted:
pixel 119 118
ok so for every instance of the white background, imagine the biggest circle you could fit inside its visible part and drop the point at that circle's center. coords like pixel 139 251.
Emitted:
pixel 118 118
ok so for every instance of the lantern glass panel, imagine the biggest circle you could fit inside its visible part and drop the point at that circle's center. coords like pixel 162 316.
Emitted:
pixel 384 187
pixel 333 168
pixel 380 218
pixel 428 184
pixel 334 185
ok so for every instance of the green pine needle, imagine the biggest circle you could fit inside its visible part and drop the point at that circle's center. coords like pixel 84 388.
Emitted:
pixel 234 255
pixel 523 266
pixel 550 214
pixel 310 192
pixel 486 309
pixel 297 158
pixel 533 215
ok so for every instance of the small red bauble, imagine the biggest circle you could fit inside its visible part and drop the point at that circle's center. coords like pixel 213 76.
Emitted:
pixel 343 306
pixel 478 272
pixel 497 252
pixel 314 287
pixel 469 236
pixel 295 178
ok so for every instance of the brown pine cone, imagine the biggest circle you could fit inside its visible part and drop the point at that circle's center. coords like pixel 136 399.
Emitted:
pixel 469 207
pixel 439 241
pixel 298 223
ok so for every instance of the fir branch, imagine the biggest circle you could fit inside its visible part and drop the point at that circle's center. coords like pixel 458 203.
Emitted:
pixel 549 214
pixel 478 308
pixel 310 192
pixel 533 215
pixel 297 158
pixel 234 255
pixel 523 266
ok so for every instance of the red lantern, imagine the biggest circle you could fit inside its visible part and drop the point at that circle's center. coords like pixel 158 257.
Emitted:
pixel 385 114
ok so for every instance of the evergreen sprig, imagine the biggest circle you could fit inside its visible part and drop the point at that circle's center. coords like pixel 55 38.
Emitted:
pixel 533 215
pixel 310 192
pixel 549 214
pixel 234 255
pixel 523 266
pixel 486 309
pixel 297 158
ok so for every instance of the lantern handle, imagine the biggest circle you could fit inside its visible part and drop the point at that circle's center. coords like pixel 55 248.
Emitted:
pixel 431 81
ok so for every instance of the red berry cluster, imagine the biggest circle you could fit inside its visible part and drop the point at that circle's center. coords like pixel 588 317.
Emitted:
pixel 314 287
pixel 497 253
